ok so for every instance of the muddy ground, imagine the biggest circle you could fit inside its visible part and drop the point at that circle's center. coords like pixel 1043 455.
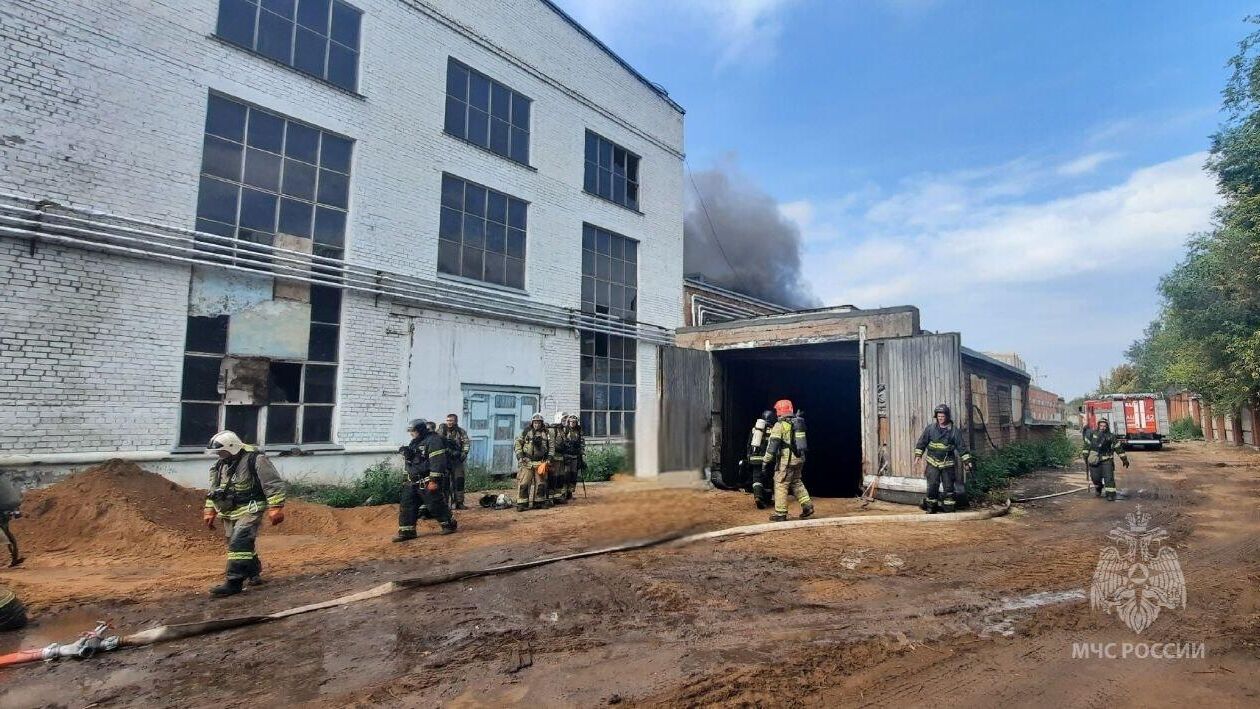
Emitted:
pixel 978 613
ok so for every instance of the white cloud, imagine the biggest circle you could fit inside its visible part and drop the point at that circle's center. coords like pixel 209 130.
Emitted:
pixel 1086 163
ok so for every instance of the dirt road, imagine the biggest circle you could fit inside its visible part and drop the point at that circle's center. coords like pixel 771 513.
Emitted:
pixel 981 613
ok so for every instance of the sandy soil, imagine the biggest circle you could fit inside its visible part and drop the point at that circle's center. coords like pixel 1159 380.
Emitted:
pixel 981 613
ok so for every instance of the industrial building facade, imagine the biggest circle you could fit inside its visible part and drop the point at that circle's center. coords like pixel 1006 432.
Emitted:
pixel 311 220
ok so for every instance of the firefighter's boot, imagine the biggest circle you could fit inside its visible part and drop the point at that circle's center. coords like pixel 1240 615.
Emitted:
pixel 230 587
pixel 807 511
pixel 255 581
pixel 759 495
pixel 1111 496
pixel 778 517
pixel 450 527
pixel 404 536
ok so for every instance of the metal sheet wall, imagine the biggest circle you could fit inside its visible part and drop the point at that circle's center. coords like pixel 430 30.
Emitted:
pixel 685 379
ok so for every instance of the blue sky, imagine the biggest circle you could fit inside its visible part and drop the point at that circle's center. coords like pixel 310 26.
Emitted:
pixel 1022 171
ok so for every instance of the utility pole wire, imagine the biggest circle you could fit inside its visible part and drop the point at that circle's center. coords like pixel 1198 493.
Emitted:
pixel 707 218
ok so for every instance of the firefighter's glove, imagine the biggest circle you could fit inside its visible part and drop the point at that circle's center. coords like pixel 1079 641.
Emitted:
pixel 1125 461
pixel 276 515
pixel 404 450
pixel 432 485
pixel 207 517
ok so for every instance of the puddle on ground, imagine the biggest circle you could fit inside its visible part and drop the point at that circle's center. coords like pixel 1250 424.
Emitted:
pixel 993 622
pixel 63 628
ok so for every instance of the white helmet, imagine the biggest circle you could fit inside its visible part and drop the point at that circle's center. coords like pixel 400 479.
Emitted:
pixel 561 417
pixel 225 441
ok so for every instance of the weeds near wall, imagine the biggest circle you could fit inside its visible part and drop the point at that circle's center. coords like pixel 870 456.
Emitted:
pixel 994 471
pixel 1185 429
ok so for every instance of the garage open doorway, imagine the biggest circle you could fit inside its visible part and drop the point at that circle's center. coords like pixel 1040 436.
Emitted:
pixel 823 380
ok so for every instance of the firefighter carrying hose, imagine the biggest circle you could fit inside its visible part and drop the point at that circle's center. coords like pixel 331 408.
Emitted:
pixel 243 486
pixel 785 455
pixel 758 439
pixel 938 445
pixel 533 449
pixel 1099 446
pixel 422 494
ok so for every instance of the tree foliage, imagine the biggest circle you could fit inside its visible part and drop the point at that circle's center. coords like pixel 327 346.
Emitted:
pixel 1207 337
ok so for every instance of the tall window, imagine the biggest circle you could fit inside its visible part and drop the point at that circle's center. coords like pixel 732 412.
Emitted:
pixel 248 367
pixel 612 172
pixel 316 37
pixel 481 233
pixel 484 112
pixel 610 266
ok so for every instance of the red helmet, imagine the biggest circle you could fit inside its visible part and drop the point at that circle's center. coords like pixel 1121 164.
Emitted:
pixel 783 407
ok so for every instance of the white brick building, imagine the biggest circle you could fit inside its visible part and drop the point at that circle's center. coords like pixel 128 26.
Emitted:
pixel 332 131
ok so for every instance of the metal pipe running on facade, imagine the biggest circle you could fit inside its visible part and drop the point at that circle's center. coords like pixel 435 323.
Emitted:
pixel 261 259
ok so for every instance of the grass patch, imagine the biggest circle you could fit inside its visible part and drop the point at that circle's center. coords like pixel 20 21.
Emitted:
pixel 1185 429
pixel 994 471
pixel 602 462
pixel 380 484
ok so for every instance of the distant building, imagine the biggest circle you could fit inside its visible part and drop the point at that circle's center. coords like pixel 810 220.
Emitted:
pixel 1010 358
pixel 1045 407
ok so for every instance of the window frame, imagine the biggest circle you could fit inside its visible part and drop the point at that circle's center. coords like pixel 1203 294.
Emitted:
pixel 624 380
pixel 462 219
pixel 464 103
pixel 624 285
pixel 295 30
pixel 594 172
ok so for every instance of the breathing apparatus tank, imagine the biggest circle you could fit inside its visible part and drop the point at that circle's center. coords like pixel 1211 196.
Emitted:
pixel 799 441
pixel 758 438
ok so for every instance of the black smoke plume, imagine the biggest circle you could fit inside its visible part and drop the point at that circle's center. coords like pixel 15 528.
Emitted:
pixel 735 237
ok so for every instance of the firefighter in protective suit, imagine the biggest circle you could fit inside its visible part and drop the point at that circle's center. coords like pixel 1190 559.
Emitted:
pixel 758 440
pixel 427 466
pixel 533 448
pixel 938 445
pixel 568 448
pixel 785 456
pixel 1098 449
pixel 244 486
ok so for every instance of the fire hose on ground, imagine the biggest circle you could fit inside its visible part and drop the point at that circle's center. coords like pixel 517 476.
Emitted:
pixel 92 642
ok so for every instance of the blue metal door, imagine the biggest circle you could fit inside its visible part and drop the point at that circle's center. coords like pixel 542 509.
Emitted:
pixel 493 417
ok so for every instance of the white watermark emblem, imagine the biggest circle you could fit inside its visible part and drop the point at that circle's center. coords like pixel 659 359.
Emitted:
pixel 1132 579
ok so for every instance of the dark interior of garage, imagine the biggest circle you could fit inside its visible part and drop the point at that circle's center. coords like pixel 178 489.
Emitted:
pixel 823 381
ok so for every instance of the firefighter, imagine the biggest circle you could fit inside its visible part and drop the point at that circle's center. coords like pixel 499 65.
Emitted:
pixel 1100 444
pixel 533 448
pixel 758 439
pixel 936 448
pixel 570 447
pixel 244 485
pixel 427 465
pixel 785 456
pixel 457 446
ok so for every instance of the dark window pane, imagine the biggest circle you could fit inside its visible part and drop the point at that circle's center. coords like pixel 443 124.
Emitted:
pixel 496 238
pixel 275 36
pixel 520 112
pixel 209 227
pixel 479 92
pixel 281 425
pixel 520 146
pixel 629 397
pixel 592 147
pixel 308 52
pixel 474 231
pixel 225 118
pixel 284 8
pixel 330 226
pixel 323 344
pixel 516 214
pixel 243 421
pixel 500 102
pixel 614 398
pixel 605 183
pixel 456 118
pixel 632 168
pixel 601 267
pixel 217 200
pixel 588 396
pixel 605 154
pixel 475 200
pixel 601 424
pixel 321 383
pixel 614 371
pixel 478 127
pixel 236 22
pixel 589 179
pixel 456 80
pixel 588 237
pixel 619 189
pixel 632 195
pixel 206 334
pixel 615 346
pixel 317 424
pixel 221 158
pixel 265 131
pixel 285 385
pixel 452 192
pixel 614 424
pixel 496 207
pixel 496 268
pixel 258 210
pixel 198 423
pixel 325 304
pixel 601 394
pixel 515 273
pixel 499 136
pixel 343 66
pixel 449 224
pixel 335 153
pixel 473 263
pixel 295 217
pixel 334 188
pixel 448 257
pixel 201 378
pixel 588 291
pixel 617 247
pixel 301 142
pixel 313 14
pixel 516 243
pixel 619 161
pixel 262 170
pixel 601 369
pixel 632 251
pixel 588 342
pixel 603 242
pixel 345 24
pixel 299 179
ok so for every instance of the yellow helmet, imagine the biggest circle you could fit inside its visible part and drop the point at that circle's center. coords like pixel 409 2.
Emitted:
pixel 225 441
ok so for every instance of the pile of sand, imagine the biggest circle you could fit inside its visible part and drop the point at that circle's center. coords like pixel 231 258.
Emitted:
pixel 114 509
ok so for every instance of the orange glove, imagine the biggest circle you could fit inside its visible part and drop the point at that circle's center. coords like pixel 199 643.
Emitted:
pixel 208 517
pixel 432 486
pixel 276 515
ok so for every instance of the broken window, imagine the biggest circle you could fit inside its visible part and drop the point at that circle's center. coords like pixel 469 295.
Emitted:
pixel 243 421
pixel 610 265
pixel 286 383
pixel 207 334
pixel 281 424
pixel 198 423
pixel 201 378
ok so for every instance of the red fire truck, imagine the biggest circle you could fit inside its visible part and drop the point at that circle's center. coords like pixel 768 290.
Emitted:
pixel 1141 420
